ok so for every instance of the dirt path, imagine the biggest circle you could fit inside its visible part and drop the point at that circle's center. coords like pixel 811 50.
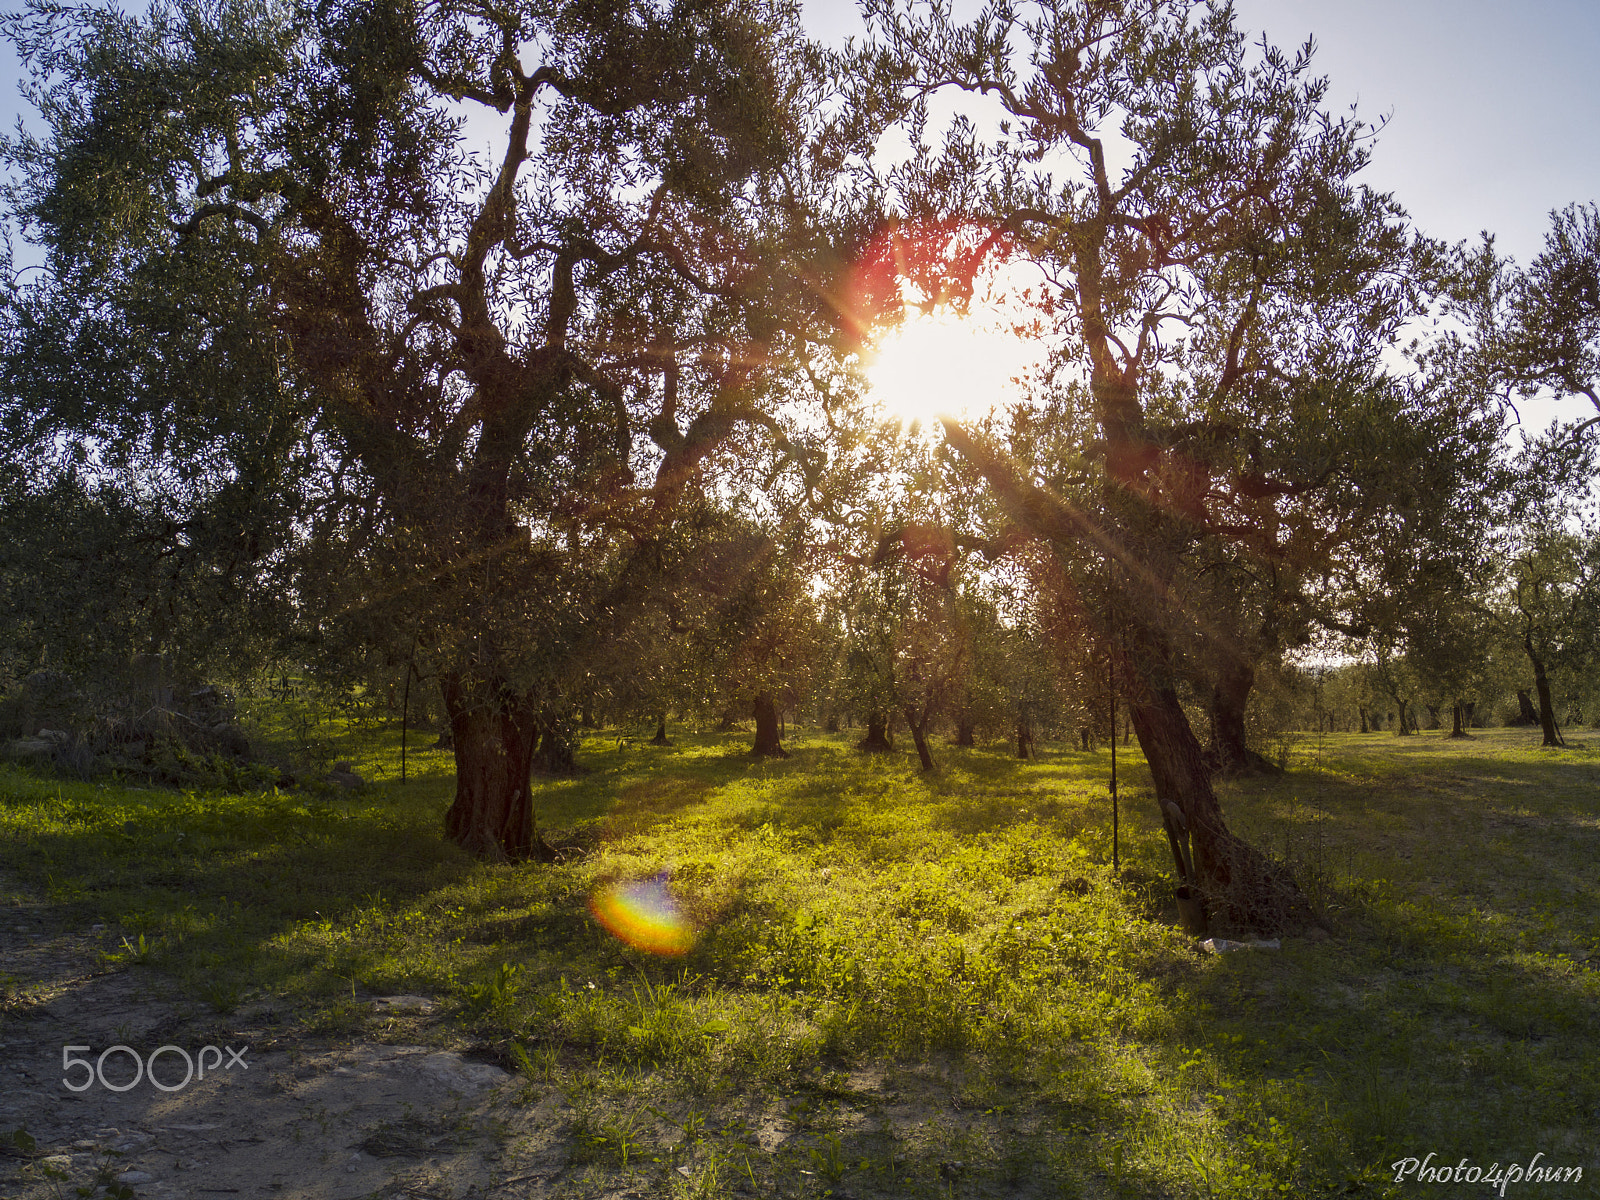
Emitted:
pixel 277 1113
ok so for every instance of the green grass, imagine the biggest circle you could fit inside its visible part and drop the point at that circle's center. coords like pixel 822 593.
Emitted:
pixel 936 980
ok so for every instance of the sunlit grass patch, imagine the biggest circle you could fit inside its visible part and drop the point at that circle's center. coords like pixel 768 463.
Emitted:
pixel 961 933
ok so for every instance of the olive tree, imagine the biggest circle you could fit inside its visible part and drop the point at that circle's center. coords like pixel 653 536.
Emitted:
pixel 1534 330
pixel 1224 289
pixel 1551 607
pixel 495 362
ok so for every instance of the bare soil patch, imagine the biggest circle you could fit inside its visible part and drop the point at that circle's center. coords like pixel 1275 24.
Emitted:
pixel 281 1111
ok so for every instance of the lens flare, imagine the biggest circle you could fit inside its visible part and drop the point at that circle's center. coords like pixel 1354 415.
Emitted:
pixel 644 915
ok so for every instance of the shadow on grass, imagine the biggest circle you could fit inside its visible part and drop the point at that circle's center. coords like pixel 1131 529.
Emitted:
pixel 1456 1009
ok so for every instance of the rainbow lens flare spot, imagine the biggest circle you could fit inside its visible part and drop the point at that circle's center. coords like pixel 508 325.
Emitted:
pixel 645 915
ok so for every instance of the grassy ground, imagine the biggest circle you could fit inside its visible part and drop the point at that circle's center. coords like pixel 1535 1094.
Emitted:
pixel 919 986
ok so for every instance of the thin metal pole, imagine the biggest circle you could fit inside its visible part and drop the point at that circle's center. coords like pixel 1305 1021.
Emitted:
pixel 1111 677
pixel 405 705
pixel 1116 860
pixel 405 719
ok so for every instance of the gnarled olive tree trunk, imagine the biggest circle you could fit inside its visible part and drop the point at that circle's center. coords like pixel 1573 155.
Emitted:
pixel 1230 695
pixel 1025 740
pixel 877 738
pixel 1526 713
pixel 495 730
pixel 917 722
pixel 769 743
pixel 1238 883
pixel 1541 687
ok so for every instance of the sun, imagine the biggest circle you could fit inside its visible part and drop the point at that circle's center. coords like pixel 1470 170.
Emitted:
pixel 942 359
pixel 950 364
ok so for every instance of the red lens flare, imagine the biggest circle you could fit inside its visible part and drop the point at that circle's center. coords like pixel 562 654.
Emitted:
pixel 921 264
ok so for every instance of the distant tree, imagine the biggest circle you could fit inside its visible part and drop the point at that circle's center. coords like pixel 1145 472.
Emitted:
pixel 1450 657
pixel 1397 681
pixel 830 693
pixel 870 635
pixel 978 702
pixel 931 649
pixel 906 644
pixel 755 623
pixel 1553 602
pixel 1031 683
pixel 1345 698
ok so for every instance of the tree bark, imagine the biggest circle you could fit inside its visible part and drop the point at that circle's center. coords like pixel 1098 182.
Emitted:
pixel 1237 881
pixel 1025 740
pixel 833 724
pixel 660 738
pixel 918 724
pixel 1362 708
pixel 494 730
pixel 1402 726
pixel 877 739
pixel 768 744
pixel 1526 713
pixel 966 732
pixel 1456 728
pixel 1541 687
pixel 1230 694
